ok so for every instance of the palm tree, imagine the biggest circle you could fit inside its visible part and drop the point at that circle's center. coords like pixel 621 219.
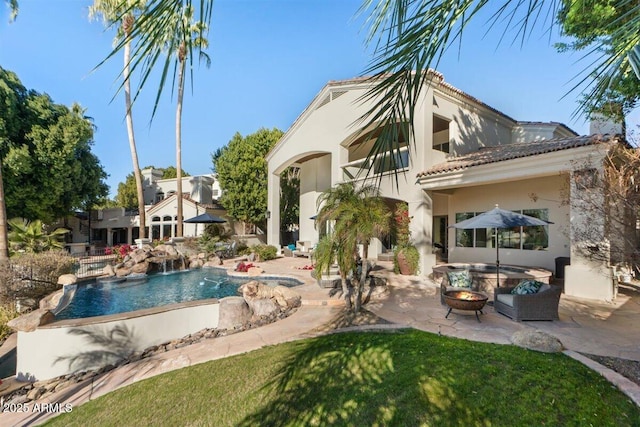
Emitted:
pixel 410 37
pixel 31 237
pixel 359 215
pixel 4 239
pixel 188 35
pixel 124 12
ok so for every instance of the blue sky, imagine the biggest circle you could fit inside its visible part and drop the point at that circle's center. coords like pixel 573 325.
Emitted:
pixel 269 59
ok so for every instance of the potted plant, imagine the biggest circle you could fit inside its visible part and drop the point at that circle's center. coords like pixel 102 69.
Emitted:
pixel 406 256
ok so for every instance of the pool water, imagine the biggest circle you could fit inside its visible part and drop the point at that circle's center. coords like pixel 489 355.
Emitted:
pixel 102 298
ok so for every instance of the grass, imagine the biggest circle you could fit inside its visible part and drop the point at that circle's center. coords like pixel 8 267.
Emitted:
pixel 406 378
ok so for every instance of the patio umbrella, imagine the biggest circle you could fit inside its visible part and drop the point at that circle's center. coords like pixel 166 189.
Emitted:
pixel 499 218
pixel 205 218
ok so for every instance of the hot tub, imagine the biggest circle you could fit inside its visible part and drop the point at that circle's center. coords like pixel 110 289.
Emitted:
pixel 484 275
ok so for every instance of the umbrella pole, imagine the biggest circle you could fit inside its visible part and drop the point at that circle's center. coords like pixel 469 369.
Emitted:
pixel 497 261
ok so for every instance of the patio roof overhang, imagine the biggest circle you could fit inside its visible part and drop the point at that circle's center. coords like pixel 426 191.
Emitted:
pixel 547 164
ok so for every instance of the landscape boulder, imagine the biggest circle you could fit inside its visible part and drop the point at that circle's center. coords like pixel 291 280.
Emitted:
pixel 51 301
pixel 30 321
pixel 234 312
pixel 536 340
pixel 67 279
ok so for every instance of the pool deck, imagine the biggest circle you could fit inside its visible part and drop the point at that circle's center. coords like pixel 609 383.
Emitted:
pixel 607 329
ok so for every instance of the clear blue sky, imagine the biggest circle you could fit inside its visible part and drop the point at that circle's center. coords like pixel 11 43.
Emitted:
pixel 269 59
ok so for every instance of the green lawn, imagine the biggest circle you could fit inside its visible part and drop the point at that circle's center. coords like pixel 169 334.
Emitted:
pixel 405 378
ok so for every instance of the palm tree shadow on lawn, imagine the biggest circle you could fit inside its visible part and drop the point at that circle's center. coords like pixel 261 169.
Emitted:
pixel 340 380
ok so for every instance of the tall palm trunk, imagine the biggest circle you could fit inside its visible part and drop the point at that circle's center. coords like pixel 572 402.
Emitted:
pixel 362 280
pixel 4 241
pixel 128 24
pixel 183 62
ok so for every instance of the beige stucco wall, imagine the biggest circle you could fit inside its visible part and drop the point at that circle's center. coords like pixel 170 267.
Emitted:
pixel 514 195
pixel 48 351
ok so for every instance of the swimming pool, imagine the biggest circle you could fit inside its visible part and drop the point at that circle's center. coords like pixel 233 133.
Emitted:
pixel 99 298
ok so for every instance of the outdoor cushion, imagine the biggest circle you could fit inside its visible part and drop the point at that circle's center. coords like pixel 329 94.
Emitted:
pixel 292 246
pixel 526 287
pixel 505 299
pixel 459 279
pixel 544 287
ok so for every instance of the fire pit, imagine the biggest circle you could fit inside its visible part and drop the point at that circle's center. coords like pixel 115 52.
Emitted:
pixel 465 300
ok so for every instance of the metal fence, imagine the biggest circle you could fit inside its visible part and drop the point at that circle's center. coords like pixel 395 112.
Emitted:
pixel 92 263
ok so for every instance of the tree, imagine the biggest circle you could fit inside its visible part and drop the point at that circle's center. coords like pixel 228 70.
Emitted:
pixel 171 172
pixel 289 197
pixel 242 172
pixel 410 37
pixel 123 13
pixel 127 196
pixel 187 35
pixel 48 167
pixel 593 22
pixel 359 215
pixel 611 202
pixel 31 237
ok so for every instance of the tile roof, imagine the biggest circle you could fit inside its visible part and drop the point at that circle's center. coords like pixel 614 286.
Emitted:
pixel 501 153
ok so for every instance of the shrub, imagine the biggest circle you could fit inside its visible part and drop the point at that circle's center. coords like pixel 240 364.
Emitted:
pixel 412 256
pixel 265 252
pixel 7 312
pixel 33 276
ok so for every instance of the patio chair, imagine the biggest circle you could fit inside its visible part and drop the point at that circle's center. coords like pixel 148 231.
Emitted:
pixel 227 251
pixel 455 280
pixel 542 305
pixel 303 248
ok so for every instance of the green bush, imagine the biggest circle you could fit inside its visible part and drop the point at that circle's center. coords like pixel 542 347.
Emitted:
pixel 411 254
pixel 7 312
pixel 265 252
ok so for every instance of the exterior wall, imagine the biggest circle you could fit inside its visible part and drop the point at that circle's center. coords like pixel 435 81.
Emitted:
pixel 326 128
pixel 471 127
pixel 52 350
pixel 514 195
pixel 586 277
pixel 314 179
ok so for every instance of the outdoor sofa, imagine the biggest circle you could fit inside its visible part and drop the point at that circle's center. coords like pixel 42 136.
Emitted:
pixel 542 305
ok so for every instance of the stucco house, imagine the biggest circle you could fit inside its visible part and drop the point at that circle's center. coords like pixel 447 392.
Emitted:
pixel 466 158
pixel 118 226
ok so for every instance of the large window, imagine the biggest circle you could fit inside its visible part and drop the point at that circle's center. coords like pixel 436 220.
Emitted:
pixel 472 238
pixel 525 238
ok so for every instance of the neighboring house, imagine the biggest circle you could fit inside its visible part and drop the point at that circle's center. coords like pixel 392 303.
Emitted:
pixel 466 158
pixel 118 226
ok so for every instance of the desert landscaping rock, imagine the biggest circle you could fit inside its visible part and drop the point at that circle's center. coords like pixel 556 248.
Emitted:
pixel 67 279
pixel 537 340
pixel 234 312
pixel 51 301
pixel 30 321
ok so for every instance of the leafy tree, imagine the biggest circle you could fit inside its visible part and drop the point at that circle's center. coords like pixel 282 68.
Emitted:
pixel 242 172
pixel 171 172
pixel 124 13
pixel 359 215
pixel 127 196
pixel 589 23
pixel 289 197
pixel 31 237
pixel 49 169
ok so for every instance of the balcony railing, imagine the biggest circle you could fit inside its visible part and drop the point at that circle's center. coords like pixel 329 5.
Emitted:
pixel 358 168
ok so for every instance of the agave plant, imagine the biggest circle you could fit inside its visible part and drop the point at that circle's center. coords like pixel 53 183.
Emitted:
pixel 30 236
